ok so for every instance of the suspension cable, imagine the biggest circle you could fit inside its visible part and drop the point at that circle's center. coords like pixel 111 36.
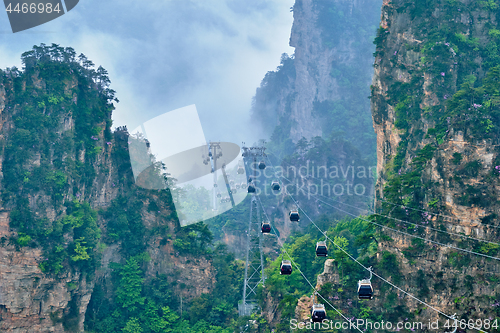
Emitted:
pixel 407 222
pixel 414 236
pixel 414 224
pixel 355 260
pixel 417 209
pixel 297 267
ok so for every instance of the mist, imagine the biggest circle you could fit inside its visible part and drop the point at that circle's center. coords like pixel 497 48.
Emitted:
pixel 163 55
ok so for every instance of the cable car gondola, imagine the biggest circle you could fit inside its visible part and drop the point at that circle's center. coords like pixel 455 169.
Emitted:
pixel 286 267
pixel 275 186
pixel 241 170
pixel 266 227
pixel 251 188
pixel 318 313
pixel 294 216
pixel 321 249
pixel 365 289
pixel 219 195
pixel 262 165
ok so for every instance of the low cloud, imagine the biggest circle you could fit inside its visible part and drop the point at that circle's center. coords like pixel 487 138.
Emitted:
pixel 162 55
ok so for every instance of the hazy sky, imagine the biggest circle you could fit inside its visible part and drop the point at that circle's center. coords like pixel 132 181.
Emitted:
pixel 166 54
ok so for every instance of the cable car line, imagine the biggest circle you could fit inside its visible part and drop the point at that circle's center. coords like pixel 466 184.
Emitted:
pixel 415 224
pixel 417 209
pixel 414 236
pixel 436 214
pixel 412 208
pixel 380 277
pixel 301 273
pixel 407 222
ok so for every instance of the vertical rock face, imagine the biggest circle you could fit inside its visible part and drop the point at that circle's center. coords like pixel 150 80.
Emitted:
pixel 308 85
pixel 435 115
pixel 60 164
pixel 32 300
pixel 325 84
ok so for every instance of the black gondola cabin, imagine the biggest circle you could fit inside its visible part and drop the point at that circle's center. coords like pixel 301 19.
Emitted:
pixel 251 188
pixel 266 228
pixel 321 249
pixel 318 313
pixel 275 186
pixel 286 267
pixel 365 289
pixel 294 216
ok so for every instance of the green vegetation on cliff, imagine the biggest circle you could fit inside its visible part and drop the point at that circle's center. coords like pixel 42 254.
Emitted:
pixel 68 186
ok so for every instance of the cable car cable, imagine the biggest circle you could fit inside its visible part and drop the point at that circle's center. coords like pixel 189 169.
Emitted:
pixel 298 269
pixel 414 236
pixel 412 208
pixel 415 224
pixel 429 212
pixel 419 210
pixel 407 222
pixel 355 260
pixel 381 278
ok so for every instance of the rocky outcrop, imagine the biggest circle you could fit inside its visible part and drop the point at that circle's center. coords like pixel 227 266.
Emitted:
pixel 306 96
pixel 36 300
pixel 419 68
pixel 329 275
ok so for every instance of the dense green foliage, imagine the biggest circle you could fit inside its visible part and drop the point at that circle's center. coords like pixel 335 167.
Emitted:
pixel 154 305
pixel 57 151
pixel 46 167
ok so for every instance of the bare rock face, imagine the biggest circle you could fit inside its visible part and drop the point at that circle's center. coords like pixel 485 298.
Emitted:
pixel 35 301
pixel 195 274
pixel 308 78
pixel 30 300
pixel 306 39
pixel 330 274
pixel 460 193
pixel 303 309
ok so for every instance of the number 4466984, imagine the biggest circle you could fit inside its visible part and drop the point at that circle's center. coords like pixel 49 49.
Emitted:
pixel 471 323
pixel 33 8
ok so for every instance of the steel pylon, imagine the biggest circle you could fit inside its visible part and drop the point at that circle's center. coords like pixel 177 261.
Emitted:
pixel 254 264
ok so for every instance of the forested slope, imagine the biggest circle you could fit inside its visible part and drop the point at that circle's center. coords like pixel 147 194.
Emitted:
pixel 81 245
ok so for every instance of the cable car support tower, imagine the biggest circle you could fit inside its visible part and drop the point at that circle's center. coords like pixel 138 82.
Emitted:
pixel 214 153
pixel 254 264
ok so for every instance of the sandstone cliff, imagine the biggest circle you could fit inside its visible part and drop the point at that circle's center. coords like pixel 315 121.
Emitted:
pixel 323 87
pixel 64 176
pixel 437 155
